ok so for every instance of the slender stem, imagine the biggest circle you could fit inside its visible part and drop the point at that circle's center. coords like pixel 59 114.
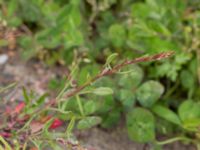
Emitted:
pixel 116 68
pixel 80 105
pixel 66 84
pixel 7 87
pixel 106 72
pixel 26 124
pixel 62 91
pixel 181 138
pixel 171 90
pixel 70 127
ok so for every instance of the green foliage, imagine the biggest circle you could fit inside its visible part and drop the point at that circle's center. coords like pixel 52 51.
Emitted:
pixel 166 113
pixel 111 119
pixel 90 107
pixel 187 80
pixel 83 33
pixel 149 92
pixel 131 77
pixel 190 114
pixel 102 91
pixel 141 125
pixel 127 98
pixel 189 109
pixel 117 35
pixel 88 122
pixel 5 143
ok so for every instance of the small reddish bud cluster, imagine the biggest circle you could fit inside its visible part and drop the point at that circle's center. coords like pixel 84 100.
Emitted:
pixel 19 107
pixel 56 123
pixel 162 55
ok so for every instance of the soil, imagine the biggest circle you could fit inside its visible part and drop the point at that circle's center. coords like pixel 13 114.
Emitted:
pixel 117 139
pixel 35 75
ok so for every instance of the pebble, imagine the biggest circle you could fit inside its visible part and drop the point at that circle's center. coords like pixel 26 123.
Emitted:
pixel 3 59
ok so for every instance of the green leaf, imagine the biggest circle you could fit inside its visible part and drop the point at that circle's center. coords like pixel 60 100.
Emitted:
pixel 5 143
pixel 117 35
pixel 187 79
pixel 171 69
pixel 102 91
pixel 192 124
pixel 90 107
pixel 106 104
pixel 88 122
pixel 159 28
pixel 49 38
pixel 111 58
pixel 26 96
pixel 189 109
pixel 29 10
pixel 138 8
pixel 149 93
pixel 71 105
pixel 110 119
pixel 141 125
pixel 12 7
pixel 90 70
pixel 74 37
pixel 182 58
pixel 53 145
pixel 132 79
pixel 166 114
pixel 127 98
pixel 26 42
pixel 70 126
pixel 41 99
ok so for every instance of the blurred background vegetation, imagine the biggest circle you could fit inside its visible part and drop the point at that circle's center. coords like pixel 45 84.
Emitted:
pixel 60 32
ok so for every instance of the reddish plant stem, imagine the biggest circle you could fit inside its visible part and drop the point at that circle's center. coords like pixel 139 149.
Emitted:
pixel 106 72
pixel 102 73
pixel 116 68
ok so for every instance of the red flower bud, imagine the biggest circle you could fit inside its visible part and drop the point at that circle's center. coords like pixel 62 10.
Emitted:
pixel 56 123
pixel 19 107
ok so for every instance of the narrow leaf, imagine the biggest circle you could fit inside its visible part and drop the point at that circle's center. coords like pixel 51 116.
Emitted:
pixel 7 146
pixel 111 58
pixel 102 91
pixel 88 122
pixel 166 114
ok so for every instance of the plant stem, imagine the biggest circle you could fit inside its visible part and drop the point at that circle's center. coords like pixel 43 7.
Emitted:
pixel 171 90
pixel 181 138
pixel 80 105
pixel 116 68
pixel 106 72
pixel 66 84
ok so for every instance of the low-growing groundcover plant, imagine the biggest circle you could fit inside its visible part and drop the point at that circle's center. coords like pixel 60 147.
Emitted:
pixel 33 122
pixel 85 32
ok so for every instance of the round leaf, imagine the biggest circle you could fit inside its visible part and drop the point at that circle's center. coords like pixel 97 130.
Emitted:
pixel 140 125
pixel 149 92
pixel 117 35
pixel 187 79
pixel 132 79
pixel 127 98
pixel 110 119
pixel 189 109
pixel 90 107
